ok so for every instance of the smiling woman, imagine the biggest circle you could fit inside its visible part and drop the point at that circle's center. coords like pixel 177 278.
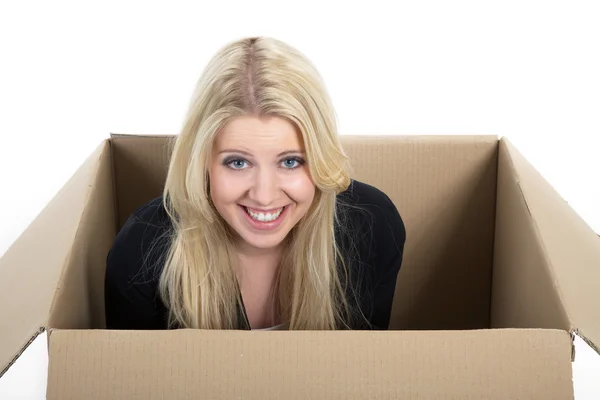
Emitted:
pixel 260 225
pixel 259 181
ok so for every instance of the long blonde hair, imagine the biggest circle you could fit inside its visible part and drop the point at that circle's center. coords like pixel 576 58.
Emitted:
pixel 254 76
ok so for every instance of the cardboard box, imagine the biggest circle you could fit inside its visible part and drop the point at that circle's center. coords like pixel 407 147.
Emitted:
pixel 499 275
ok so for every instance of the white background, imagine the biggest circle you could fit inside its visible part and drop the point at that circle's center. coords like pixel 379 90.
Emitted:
pixel 72 72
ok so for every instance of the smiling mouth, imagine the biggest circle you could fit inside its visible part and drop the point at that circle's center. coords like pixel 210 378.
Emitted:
pixel 264 216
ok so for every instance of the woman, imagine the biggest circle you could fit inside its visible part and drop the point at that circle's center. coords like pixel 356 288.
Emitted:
pixel 260 225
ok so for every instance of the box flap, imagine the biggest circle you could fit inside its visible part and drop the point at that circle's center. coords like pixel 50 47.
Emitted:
pixel 31 269
pixel 571 246
pixel 484 364
pixel 524 294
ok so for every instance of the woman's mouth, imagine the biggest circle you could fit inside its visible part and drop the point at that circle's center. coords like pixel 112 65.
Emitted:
pixel 264 216
pixel 264 220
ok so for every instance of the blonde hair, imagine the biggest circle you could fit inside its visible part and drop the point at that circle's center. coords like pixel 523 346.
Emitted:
pixel 260 77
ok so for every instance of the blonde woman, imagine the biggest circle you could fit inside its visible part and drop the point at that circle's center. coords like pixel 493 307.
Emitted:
pixel 260 225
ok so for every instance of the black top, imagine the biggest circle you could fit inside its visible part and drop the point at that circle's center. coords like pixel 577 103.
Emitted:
pixel 377 237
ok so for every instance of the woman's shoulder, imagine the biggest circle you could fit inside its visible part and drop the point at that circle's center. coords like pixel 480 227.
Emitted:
pixel 141 243
pixel 151 213
pixel 371 229
pixel 366 204
pixel 133 267
pixel 373 236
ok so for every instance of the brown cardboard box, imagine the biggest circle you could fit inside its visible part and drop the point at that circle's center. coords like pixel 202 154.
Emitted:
pixel 499 275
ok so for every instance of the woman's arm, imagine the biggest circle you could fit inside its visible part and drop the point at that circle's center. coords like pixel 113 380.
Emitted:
pixel 132 271
pixel 129 304
pixel 389 239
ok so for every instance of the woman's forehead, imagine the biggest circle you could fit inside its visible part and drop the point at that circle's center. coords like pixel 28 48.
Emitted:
pixel 252 134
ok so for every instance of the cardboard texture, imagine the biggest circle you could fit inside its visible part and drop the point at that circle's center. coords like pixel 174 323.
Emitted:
pixel 484 364
pixel 499 273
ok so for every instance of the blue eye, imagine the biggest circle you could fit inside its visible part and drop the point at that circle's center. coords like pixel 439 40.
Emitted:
pixel 292 163
pixel 240 164
pixel 235 163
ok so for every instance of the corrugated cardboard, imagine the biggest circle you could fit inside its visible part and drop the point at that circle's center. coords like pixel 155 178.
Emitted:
pixel 486 364
pixel 499 273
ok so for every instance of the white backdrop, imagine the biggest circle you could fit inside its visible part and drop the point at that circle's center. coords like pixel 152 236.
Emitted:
pixel 72 72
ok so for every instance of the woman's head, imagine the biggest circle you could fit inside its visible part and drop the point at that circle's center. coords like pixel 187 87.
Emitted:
pixel 259 180
pixel 256 99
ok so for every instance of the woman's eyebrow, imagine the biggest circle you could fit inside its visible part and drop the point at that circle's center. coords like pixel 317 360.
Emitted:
pixel 246 153
pixel 286 152
pixel 235 151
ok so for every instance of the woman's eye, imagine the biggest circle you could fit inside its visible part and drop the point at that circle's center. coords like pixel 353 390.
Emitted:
pixel 237 164
pixel 291 163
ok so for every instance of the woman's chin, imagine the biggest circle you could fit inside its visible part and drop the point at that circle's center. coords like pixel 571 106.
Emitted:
pixel 262 242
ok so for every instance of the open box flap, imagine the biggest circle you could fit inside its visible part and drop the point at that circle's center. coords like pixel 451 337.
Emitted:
pixel 31 269
pixel 474 364
pixel 571 246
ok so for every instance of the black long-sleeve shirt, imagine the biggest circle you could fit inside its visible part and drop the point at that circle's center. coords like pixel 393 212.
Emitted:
pixel 372 244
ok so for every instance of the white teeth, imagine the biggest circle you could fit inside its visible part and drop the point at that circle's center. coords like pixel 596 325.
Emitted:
pixel 264 217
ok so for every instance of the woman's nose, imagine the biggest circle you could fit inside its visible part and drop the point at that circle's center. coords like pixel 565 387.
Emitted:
pixel 264 188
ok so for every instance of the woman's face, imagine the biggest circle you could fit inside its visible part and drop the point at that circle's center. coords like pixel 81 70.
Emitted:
pixel 259 182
